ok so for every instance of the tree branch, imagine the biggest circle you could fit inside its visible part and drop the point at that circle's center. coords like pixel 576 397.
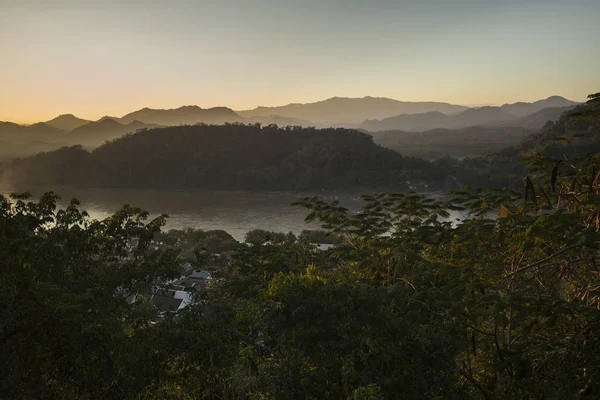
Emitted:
pixel 486 395
pixel 538 263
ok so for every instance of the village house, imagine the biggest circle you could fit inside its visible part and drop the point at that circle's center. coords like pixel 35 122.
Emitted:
pixel 169 300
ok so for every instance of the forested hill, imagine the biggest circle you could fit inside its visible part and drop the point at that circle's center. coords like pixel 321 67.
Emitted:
pixel 573 135
pixel 575 132
pixel 227 157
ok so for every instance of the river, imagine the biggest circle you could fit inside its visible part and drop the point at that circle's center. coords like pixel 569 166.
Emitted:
pixel 234 212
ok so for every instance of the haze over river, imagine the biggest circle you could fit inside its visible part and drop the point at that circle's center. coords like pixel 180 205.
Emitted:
pixel 234 212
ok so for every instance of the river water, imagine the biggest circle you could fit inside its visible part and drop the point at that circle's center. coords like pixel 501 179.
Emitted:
pixel 234 212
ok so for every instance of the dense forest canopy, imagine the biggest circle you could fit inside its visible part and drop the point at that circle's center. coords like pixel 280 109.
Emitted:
pixel 232 156
pixel 440 143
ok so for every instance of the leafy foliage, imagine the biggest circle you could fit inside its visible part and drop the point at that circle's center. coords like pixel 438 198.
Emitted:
pixel 213 241
pixel 67 328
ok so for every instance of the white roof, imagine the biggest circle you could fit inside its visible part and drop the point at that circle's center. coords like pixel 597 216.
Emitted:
pixel 324 246
pixel 185 297
pixel 171 300
pixel 203 274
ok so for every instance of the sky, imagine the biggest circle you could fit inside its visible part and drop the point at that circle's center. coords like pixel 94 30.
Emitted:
pixel 96 58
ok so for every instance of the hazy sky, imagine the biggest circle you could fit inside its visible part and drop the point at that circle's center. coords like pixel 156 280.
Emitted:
pixel 95 58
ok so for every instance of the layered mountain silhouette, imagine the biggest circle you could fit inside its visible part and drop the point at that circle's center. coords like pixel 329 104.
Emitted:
pixel 186 115
pixel 18 140
pixel 538 119
pixel 41 131
pixel 67 129
pixel 522 109
pixel 67 122
pixel 371 114
pixel 433 120
pixel 283 121
pixel 482 116
pixel 347 111
pixel 465 142
pixel 95 133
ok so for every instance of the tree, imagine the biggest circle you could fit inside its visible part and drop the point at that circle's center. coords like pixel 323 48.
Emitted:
pixel 318 236
pixel 257 237
pixel 68 328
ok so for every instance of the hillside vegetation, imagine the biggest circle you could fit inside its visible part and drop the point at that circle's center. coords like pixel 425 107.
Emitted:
pixel 438 143
pixel 221 157
pixel 519 115
pixel 572 136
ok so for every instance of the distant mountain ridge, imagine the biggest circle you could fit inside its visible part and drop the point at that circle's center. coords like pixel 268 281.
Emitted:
pixel 41 131
pixel 94 134
pixel 20 140
pixel 506 115
pixel 345 110
pixel 186 115
pixel 67 129
pixel 435 120
pixel 538 119
pixel 438 143
pixel 367 113
pixel 282 121
pixel 522 109
pixel 67 122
